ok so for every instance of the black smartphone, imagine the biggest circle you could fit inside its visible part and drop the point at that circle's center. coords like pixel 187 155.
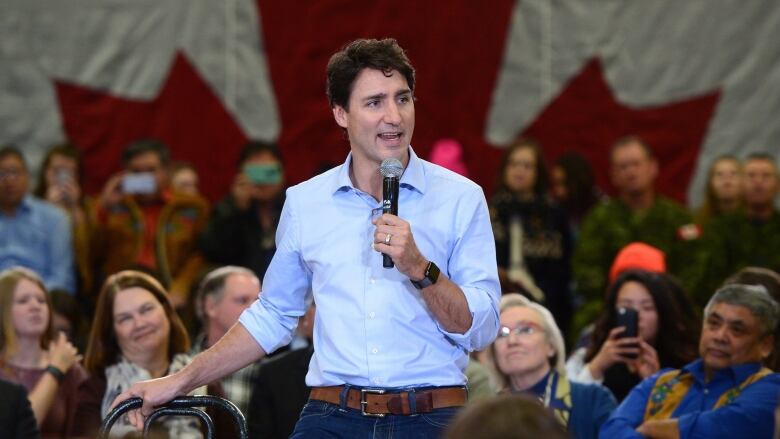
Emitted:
pixel 628 318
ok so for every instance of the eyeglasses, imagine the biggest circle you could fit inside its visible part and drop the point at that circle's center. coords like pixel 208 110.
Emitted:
pixel 11 173
pixel 521 330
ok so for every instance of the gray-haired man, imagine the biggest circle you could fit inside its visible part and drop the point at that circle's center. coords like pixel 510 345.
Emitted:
pixel 725 393
pixel 222 296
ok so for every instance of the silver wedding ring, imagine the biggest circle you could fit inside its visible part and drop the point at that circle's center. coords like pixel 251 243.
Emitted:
pixel 387 239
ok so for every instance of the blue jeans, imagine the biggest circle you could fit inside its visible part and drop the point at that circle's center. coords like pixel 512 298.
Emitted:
pixel 324 420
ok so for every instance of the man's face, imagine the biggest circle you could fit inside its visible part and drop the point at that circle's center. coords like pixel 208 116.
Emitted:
pixel 761 182
pixel 380 119
pixel 13 181
pixel 633 171
pixel 240 291
pixel 731 335
pixel 149 162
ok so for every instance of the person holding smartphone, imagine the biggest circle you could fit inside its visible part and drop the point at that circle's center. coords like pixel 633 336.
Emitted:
pixel 142 224
pixel 59 183
pixel 242 227
pixel 620 355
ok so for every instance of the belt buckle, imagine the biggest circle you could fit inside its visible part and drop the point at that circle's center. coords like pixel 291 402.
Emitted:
pixel 364 404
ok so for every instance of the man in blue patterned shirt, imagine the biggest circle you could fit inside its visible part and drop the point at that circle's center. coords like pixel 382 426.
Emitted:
pixel 724 394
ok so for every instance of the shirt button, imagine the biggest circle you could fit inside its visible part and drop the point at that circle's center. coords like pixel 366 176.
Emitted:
pixel 372 314
pixel 373 281
pixel 374 351
pixel 377 380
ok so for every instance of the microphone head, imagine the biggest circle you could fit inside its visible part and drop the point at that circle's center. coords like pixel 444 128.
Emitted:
pixel 391 168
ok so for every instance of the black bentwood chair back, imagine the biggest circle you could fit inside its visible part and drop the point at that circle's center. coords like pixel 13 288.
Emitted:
pixel 180 406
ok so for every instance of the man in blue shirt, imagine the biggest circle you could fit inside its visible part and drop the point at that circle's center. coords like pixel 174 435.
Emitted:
pixel 389 343
pixel 33 233
pixel 724 394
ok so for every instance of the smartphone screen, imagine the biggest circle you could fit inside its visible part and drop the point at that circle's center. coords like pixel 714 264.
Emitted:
pixel 629 319
pixel 62 176
pixel 141 183
pixel 263 173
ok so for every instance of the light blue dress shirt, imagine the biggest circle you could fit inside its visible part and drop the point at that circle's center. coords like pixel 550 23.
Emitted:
pixel 38 236
pixel 372 326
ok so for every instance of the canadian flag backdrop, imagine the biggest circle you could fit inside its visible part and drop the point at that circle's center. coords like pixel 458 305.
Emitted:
pixel 696 79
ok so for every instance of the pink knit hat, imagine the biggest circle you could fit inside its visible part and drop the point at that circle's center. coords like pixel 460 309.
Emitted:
pixel 448 153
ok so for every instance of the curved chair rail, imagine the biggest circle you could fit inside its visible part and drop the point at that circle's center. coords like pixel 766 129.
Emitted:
pixel 179 406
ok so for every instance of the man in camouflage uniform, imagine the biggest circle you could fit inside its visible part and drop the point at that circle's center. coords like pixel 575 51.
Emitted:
pixel 636 214
pixel 750 237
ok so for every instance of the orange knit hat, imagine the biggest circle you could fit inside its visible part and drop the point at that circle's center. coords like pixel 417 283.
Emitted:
pixel 638 255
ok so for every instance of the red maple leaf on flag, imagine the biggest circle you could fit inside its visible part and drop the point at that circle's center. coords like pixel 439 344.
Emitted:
pixel 186 114
pixel 586 117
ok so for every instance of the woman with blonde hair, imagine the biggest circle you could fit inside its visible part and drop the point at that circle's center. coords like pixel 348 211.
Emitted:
pixel 528 357
pixel 724 189
pixel 136 336
pixel 32 355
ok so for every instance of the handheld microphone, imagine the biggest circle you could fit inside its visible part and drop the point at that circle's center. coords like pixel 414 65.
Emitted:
pixel 391 170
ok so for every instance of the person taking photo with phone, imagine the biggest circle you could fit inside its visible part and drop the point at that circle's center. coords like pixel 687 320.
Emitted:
pixel 665 336
pixel 242 227
pixel 59 183
pixel 725 392
pixel 143 225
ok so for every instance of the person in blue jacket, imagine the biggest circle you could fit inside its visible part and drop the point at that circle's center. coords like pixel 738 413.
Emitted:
pixel 726 393
pixel 528 357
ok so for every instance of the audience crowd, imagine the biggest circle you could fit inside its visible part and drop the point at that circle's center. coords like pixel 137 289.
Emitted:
pixel 623 316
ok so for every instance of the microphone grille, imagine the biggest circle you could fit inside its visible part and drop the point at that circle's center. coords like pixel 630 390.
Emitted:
pixel 391 168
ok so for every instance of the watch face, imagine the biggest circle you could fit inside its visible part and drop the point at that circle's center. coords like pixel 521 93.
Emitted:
pixel 431 276
pixel 432 272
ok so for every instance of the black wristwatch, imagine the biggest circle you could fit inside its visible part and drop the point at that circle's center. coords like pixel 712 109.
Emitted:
pixel 431 276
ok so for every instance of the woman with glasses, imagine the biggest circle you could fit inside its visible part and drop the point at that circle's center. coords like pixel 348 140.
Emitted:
pixel 527 357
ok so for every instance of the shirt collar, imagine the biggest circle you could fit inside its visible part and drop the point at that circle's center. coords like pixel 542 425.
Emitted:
pixel 413 176
pixel 738 373
pixel 26 204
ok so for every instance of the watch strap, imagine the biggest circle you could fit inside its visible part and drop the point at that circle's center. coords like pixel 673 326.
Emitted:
pixel 56 373
pixel 430 278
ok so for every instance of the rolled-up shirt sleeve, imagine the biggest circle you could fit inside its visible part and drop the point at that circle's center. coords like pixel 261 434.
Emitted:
pixel 472 266
pixel 272 319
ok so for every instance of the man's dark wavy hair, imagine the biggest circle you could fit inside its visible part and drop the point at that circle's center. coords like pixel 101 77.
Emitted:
pixel 345 65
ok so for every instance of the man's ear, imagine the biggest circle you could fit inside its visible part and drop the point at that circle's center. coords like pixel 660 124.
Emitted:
pixel 210 307
pixel 767 345
pixel 655 168
pixel 340 114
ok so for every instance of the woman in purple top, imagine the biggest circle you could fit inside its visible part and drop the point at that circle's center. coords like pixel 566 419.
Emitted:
pixel 32 355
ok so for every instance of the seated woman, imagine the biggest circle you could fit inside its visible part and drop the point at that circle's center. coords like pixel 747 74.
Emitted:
pixel 136 335
pixel 32 355
pixel 527 357
pixel 668 335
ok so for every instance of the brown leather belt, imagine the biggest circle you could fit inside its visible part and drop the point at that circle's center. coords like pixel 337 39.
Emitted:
pixel 379 402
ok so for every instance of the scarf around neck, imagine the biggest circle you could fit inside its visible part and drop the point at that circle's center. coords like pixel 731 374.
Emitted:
pixel 122 375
